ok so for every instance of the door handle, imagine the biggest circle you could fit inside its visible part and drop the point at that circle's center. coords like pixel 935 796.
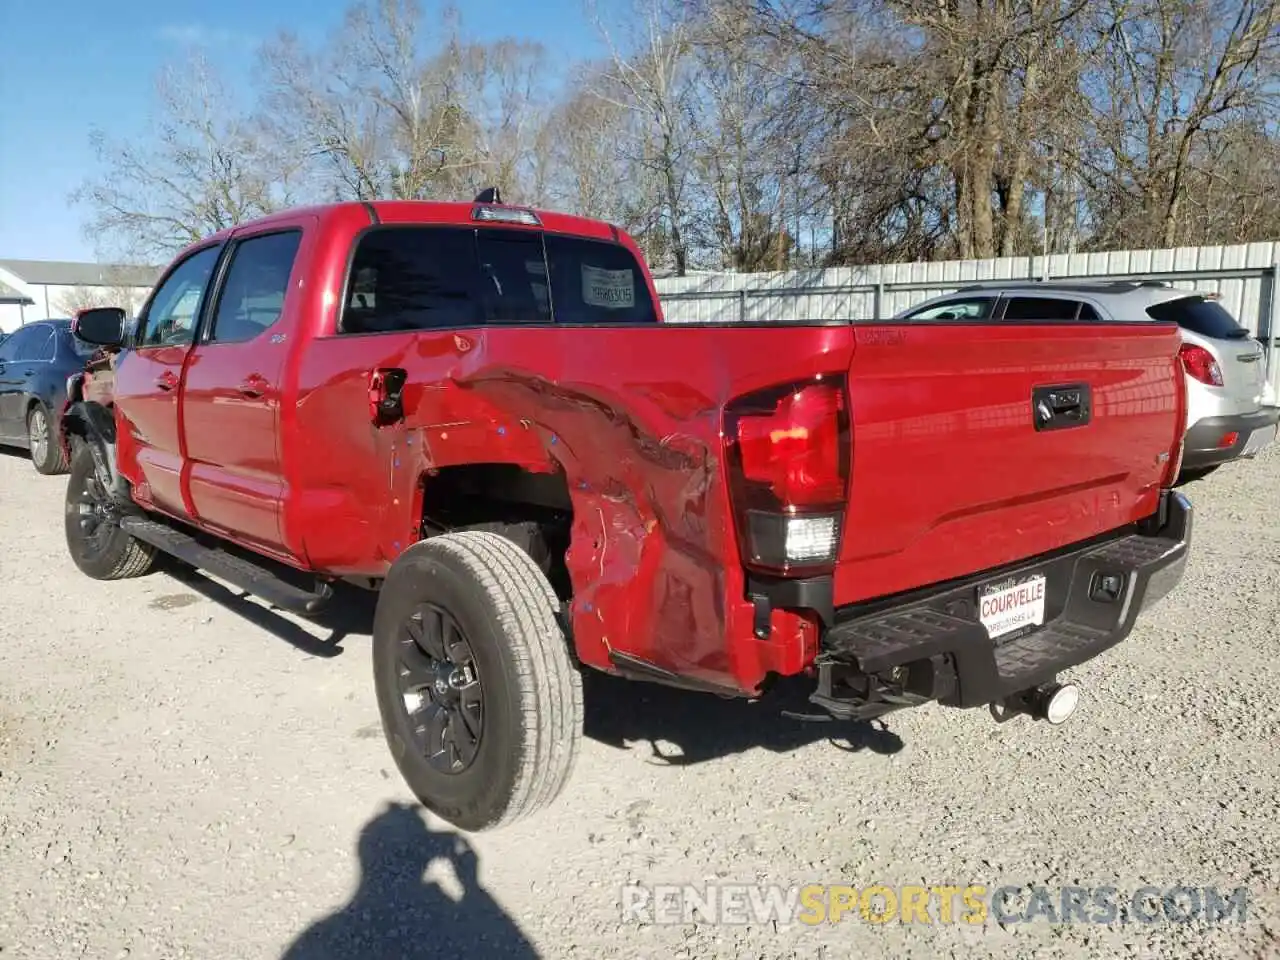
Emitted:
pixel 167 380
pixel 254 385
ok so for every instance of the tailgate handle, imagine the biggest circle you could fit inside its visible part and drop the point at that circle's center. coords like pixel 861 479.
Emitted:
pixel 1061 407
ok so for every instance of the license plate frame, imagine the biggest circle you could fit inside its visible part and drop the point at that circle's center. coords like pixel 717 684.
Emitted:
pixel 1013 605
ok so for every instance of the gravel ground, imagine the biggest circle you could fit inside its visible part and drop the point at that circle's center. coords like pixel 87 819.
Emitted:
pixel 184 773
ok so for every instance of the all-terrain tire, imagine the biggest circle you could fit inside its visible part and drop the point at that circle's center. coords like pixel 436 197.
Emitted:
pixel 531 693
pixel 113 554
pixel 46 451
pixel 525 534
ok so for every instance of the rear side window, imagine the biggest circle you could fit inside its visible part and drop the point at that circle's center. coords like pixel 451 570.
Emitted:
pixel 29 343
pixel 253 294
pixel 1041 308
pixel 406 278
pixel 419 278
pixel 1204 317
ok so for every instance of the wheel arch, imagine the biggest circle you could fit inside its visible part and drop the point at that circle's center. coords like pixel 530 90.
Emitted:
pixel 495 493
pixel 94 424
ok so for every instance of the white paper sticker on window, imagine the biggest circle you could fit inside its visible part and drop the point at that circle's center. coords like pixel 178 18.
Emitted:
pixel 611 289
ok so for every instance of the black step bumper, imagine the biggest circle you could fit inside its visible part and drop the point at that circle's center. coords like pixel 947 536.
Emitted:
pixel 933 646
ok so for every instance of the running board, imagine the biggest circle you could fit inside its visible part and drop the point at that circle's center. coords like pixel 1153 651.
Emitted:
pixel 245 574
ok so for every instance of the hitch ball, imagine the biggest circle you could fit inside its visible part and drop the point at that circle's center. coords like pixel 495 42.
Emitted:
pixel 1054 702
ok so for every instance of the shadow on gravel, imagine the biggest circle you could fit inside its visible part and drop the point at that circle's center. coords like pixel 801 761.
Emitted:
pixel 349 614
pixel 618 712
pixel 395 912
pixel 706 727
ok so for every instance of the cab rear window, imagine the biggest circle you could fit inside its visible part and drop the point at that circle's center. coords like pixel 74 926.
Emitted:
pixel 419 278
pixel 1204 317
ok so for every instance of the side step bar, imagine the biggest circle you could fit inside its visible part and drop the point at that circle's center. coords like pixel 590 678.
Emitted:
pixel 245 574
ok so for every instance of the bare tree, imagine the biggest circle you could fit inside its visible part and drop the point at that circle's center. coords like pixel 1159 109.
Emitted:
pixel 720 132
pixel 1176 74
pixel 503 96
pixel 587 173
pixel 368 113
pixel 71 301
pixel 206 169
pixel 655 83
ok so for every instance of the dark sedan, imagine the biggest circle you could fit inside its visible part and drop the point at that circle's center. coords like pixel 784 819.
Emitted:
pixel 35 362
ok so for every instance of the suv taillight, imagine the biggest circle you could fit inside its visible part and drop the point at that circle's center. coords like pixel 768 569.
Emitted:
pixel 1199 363
pixel 788 455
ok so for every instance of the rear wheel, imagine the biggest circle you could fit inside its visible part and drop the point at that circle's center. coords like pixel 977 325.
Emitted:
pixel 480 702
pixel 46 451
pixel 97 543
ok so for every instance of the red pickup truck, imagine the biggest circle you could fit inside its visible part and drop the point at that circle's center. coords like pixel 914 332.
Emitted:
pixel 478 411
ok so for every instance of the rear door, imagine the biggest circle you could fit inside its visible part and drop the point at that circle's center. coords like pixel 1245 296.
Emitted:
pixel 231 391
pixel 148 380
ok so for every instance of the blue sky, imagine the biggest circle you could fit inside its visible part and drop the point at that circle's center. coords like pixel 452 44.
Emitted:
pixel 71 64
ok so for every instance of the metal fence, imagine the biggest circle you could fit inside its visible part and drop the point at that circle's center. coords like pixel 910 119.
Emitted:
pixel 1246 277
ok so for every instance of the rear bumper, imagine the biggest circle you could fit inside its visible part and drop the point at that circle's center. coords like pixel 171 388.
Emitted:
pixel 934 648
pixel 1205 437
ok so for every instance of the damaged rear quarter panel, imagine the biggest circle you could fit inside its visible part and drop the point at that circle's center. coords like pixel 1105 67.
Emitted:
pixel 630 417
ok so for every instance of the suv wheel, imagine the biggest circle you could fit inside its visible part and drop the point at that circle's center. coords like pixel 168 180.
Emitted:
pixel 480 702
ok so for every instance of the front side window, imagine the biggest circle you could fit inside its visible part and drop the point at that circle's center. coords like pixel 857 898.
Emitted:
pixel 252 297
pixel 42 347
pixel 171 317
pixel 80 348
pixel 973 308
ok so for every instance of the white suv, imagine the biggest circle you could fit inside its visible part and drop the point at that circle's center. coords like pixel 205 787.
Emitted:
pixel 1230 412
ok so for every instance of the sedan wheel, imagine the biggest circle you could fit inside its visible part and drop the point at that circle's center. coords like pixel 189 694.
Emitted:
pixel 46 451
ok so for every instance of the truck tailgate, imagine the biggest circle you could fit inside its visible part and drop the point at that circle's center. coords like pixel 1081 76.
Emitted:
pixel 950 473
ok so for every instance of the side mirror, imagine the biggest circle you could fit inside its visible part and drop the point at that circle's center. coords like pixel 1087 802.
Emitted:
pixel 101 326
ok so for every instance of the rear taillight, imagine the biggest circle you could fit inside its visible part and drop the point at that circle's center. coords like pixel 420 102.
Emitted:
pixel 788 454
pixel 1199 364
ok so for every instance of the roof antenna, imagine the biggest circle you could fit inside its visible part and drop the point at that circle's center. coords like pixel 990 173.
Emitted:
pixel 489 195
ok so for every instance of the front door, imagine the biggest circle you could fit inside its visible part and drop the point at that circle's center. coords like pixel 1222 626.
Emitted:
pixel 231 393
pixel 148 382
